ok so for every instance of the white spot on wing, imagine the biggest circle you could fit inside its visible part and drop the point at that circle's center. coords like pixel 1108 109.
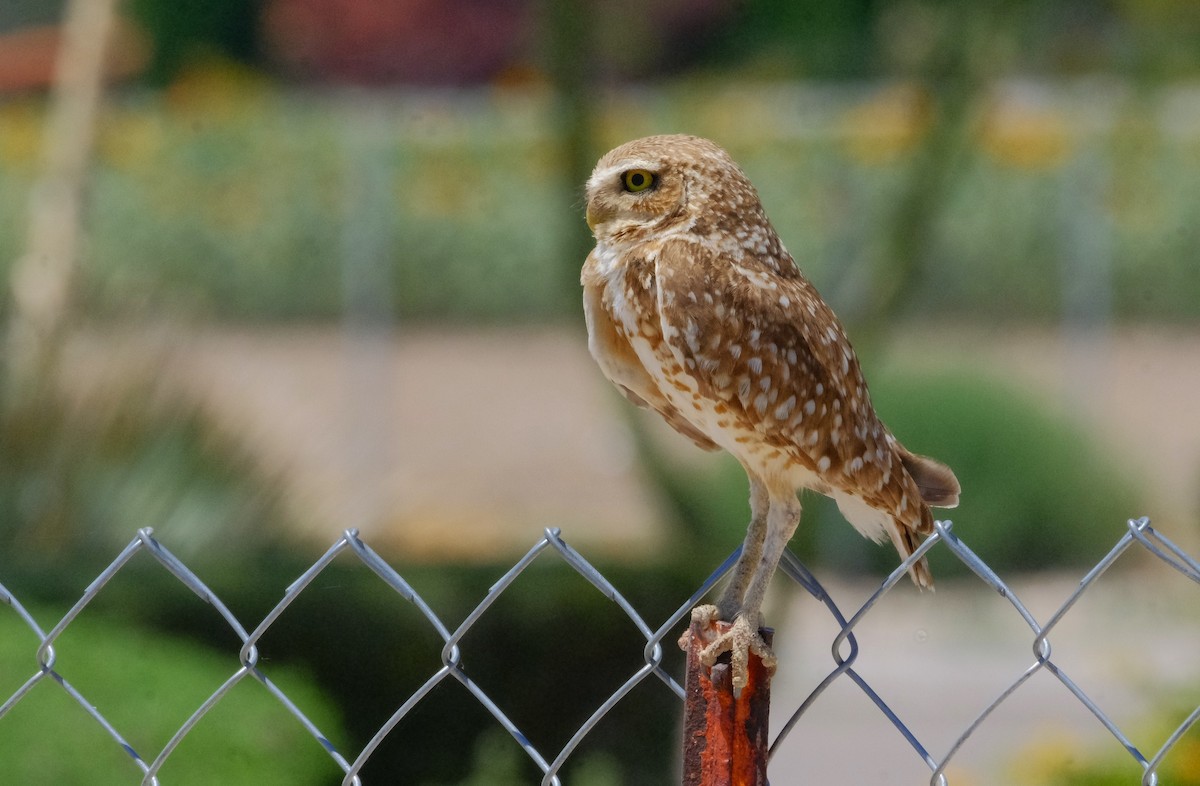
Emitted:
pixel 783 410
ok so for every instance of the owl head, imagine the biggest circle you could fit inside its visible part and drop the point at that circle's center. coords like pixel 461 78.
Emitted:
pixel 661 183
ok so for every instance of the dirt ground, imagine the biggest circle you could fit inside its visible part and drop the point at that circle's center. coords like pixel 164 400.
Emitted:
pixel 461 442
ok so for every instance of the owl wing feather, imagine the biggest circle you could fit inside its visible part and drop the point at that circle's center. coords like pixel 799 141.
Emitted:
pixel 763 342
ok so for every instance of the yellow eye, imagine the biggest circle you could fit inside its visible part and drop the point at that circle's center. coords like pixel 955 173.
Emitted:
pixel 636 180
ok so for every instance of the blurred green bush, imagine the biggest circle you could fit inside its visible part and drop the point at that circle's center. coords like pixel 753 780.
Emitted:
pixel 147 685
pixel 1037 493
pixel 550 651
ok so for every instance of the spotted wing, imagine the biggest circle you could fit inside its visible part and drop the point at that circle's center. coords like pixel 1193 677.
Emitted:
pixel 761 341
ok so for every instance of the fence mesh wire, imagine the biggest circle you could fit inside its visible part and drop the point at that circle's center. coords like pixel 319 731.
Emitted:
pixel 844 647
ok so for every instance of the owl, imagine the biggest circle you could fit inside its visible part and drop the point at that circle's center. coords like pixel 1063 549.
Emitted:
pixel 696 310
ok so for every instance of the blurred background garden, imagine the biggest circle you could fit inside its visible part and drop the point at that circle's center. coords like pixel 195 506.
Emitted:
pixel 321 271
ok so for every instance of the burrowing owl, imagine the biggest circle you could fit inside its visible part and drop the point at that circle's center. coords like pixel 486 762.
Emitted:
pixel 695 310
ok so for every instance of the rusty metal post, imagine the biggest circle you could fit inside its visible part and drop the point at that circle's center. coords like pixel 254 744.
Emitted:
pixel 725 737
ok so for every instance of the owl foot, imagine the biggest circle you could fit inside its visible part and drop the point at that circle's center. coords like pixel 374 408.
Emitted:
pixel 739 640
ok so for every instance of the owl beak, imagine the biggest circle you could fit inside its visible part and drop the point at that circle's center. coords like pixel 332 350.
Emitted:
pixel 593 217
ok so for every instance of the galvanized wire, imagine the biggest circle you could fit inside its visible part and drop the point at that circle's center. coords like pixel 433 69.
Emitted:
pixel 844 647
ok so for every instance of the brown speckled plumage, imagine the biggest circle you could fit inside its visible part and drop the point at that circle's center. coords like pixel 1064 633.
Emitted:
pixel 696 310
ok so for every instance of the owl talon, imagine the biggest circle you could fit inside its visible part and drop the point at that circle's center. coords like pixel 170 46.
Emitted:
pixel 741 639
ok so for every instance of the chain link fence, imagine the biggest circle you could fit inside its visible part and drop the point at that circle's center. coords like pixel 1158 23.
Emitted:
pixel 844 648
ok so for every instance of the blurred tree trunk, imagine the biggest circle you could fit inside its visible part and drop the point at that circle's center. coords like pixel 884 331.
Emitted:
pixel 969 50
pixel 41 279
pixel 567 44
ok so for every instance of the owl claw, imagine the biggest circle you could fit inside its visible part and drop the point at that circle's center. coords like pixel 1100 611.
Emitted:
pixel 741 639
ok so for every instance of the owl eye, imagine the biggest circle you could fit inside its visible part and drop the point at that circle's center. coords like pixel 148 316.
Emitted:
pixel 636 180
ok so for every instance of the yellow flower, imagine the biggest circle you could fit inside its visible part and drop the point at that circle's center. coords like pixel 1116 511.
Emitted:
pixel 1026 138
pixel 889 125
pixel 21 133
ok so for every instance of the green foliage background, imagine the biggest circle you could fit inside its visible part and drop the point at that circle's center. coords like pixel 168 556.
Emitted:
pixel 232 201
pixel 147 685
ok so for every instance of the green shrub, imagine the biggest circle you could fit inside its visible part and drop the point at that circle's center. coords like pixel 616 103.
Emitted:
pixel 549 652
pixel 147 685
pixel 1037 493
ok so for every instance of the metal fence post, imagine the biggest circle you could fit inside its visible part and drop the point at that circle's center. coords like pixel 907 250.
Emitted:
pixel 724 736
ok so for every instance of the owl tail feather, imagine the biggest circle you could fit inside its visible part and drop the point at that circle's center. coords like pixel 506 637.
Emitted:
pixel 936 481
pixel 906 542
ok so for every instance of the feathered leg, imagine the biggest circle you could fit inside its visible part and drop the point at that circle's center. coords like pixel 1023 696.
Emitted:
pixel 731 598
pixel 743 638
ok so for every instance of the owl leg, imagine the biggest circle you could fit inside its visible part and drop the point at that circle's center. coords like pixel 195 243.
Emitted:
pixel 782 520
pixel 731 599
pixel 743 637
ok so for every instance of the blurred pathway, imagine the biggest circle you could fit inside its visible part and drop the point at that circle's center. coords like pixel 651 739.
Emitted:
pixel 470 442
pixel 939 659
pixel 491 435
pixel 443 444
